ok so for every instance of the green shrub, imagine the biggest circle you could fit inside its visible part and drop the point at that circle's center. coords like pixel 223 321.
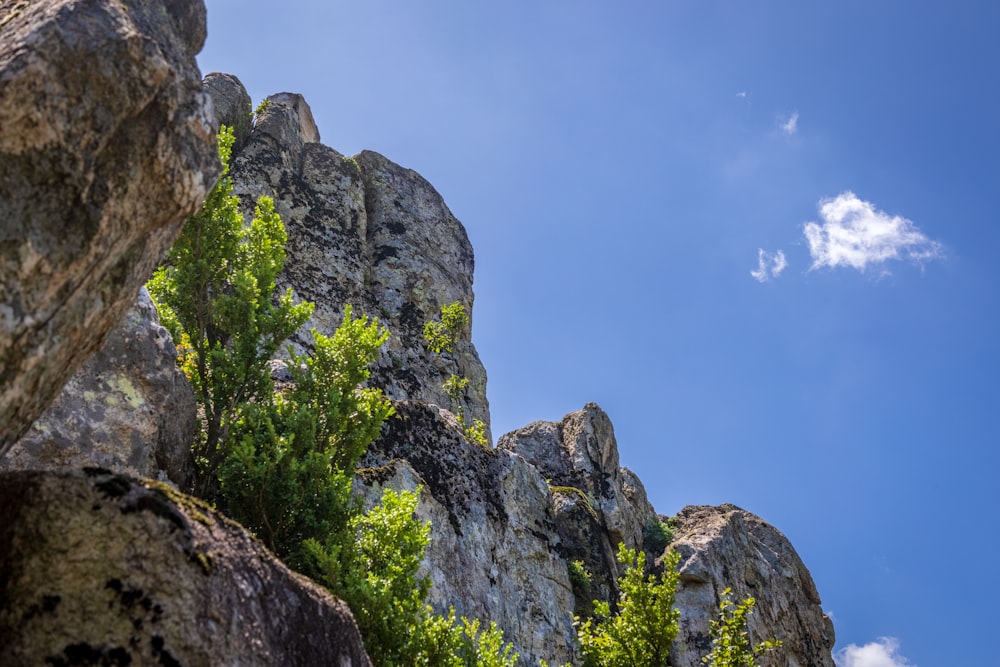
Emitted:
pixel 731 645
pixel 657 536
pixel 641 633
pixel 441 336
pixel 288 475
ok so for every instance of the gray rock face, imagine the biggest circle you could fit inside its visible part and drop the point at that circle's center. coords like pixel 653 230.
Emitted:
pixel 101 569
pixel 726 546
pixel 231 104
pixel 598 504
pixel 366 232
pixel 494 551
pixel 107 145
pixel 128 409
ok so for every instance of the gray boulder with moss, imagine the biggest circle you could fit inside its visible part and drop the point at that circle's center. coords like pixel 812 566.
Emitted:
pixel 101 569
pixel 128 408
pixel 107 146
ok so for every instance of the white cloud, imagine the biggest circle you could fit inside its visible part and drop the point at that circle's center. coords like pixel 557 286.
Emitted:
pixel 768 265
pixel 791 126
pixel 779 264
pixel 742 94
pixel 883 652
pixel 854 233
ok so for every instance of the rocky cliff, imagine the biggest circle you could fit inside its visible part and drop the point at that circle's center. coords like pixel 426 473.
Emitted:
pixel 107 144
pixel 364 231
pixel 106 147
pixel 98 567
pixel 505 521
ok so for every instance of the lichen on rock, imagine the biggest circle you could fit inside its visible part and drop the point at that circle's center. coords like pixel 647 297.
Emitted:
pixel 100 568
pixel 107 146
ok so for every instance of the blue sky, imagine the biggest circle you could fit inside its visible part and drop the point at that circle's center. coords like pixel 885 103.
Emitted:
pixel 761 236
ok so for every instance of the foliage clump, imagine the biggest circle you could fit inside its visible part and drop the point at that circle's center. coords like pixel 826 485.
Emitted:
pixel 646 624
pixel 731 645
pixel 442 336
pixel 657 535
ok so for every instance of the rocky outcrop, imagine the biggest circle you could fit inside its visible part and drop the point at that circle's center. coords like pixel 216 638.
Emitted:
pixel 366 232
pixel 494 551
pixel 726 546
pixel 107 145
pixel 128 409
pixel 598 504
pixel 100 569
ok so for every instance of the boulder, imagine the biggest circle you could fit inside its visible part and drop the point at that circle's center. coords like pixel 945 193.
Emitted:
pixel 107 146
pixel 128 408
pixel 101 569
pixel 363 231
pixel 494 550
pixel 727 547
pixel 231 104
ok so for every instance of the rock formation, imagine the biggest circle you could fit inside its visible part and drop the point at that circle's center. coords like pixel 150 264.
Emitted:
pixel 99 569
pixel 128 408
pixel 361 231
pixel 597 503
pixel 506 522
pixel 726 546
pixel 107 145
pixel 494 551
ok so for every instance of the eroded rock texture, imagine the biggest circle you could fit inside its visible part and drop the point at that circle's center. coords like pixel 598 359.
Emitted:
pixel 128 408
pixel 100 569
pixel 598 504
pixel 726 546
pixel 106 146
pixel 362 231
pixel 494 552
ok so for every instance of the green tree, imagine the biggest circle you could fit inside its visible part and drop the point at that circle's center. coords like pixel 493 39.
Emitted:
pixel 641 633
pixel 731 646
pixel 216 296
pixel 291 463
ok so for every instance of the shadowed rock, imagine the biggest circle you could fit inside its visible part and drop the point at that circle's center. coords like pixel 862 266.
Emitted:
pixel 102 569
pixel 128 408
pixel 107 146
pixel 494 552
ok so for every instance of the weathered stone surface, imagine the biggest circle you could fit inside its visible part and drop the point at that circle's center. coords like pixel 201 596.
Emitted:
pixel 128 409
pixel 366 232
pixel 598 504
pixel 107 145
pixel 98 568
pixel 232 104
pixel 494 551
pixel 726 546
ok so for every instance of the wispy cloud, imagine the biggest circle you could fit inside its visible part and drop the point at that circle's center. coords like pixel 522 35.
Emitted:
pixel 791 124
pixel 856 234
pixel 884 652
pixel 768 265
